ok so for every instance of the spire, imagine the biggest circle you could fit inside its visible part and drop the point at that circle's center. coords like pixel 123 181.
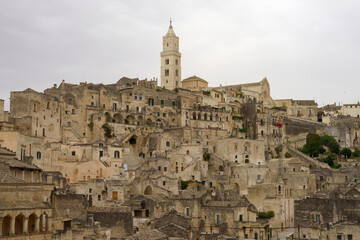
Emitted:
pixel 171 30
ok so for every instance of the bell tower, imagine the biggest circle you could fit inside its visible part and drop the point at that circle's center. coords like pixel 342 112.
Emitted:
pixel 170 60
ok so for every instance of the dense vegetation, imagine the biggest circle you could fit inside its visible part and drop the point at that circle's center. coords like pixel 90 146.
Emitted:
pixel 315 145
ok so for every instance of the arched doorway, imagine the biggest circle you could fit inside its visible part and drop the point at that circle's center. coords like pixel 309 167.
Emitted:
pixel 140 120
pixel 148 122
pixel 117 118
pixel 108 117
pixel 19 224
pixel 31 223
pixel 130 120
pixel 6 226
pixel 148 190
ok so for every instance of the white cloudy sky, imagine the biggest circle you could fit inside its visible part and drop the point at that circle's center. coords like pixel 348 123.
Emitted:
pixel 308 49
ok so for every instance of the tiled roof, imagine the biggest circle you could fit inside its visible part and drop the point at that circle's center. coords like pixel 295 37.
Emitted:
pixel 6 178
pixel 18 164
pixel 148 235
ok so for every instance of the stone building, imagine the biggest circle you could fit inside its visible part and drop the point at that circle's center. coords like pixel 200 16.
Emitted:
pixel 195 83
pixel 299 108
pixel 170 61
pixel 25 207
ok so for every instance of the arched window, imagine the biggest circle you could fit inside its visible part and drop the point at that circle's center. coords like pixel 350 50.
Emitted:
pixel 38 155
pixel 148 190
pixel 6 226
pixel 19 224
pixel 31 223
pixel 116 154
pixel 279 189
pixel 168 144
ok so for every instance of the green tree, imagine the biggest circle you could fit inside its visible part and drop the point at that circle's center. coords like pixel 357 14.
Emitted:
pixel 331 143
pixel 346 152
pixel 356 153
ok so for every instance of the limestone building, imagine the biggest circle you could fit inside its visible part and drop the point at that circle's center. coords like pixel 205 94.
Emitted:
pixel 170 61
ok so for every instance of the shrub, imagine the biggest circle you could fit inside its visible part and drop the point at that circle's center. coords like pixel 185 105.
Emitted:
pixel 278 150
pixel 91 126
pixel 242 129
pixel 107 130
pixel 267 214
pixel 288 155
pixel 356 153
pixel 206 156
pixel 184 184
pixel 237 117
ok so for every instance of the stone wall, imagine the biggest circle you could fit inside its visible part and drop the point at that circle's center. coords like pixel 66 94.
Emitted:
pixel 120 221
pixel 70 206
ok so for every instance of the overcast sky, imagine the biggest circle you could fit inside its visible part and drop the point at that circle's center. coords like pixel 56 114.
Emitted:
pixel 307 49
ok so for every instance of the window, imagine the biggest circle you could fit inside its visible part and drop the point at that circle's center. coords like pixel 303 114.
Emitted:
pixel 162 101
pixel 99 197
pixel 173 103
pixel 114 106
pixel 187 211
pixel 240 217
pixel 167 61
pixel 236 147
pixel 116 154
pixel 350 237
pixel 140 97
pixel 34 107
pixel 159 168
pixel 73 153
pixel 217 219
pixel 165 169
pixel 135 97
pixel 339 237
pixel 176 62
pixel 92 104
pixel 168 144
pixel 38 155
pixel 164 183
pixel 48 105
pixel 176 72
pixel 72 111
pixel 166 72
pixel 70 101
